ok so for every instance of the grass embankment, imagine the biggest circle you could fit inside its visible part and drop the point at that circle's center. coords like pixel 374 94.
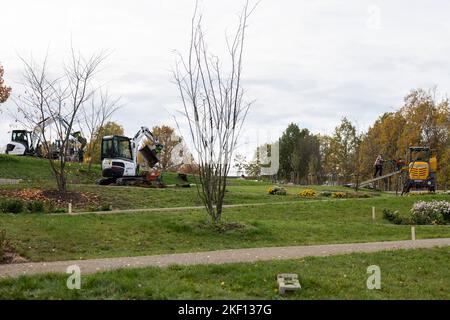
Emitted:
pixel 37 171
pixel 41 237
pixel 405 274
pixel 37 174
pixel 31 169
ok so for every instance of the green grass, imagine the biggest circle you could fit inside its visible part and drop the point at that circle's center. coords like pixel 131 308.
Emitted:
pixel 41 237
pixel 405 274
pixel 36 173
pixel 38 170
pixel 137 197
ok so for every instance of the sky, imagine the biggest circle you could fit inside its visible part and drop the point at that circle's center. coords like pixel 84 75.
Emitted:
pixel 308 62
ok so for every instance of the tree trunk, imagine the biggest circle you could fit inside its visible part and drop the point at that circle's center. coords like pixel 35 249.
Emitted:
pixel 90 165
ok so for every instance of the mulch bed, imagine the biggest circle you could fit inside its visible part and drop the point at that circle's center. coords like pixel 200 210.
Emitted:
pixel 79 199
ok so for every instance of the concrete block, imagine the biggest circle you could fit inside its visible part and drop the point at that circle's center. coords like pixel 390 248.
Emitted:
pixel 287 282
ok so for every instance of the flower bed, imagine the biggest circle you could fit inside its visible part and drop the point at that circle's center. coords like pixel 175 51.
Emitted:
pixel 339 195
pixel 307 193
pixel 422 212
pixel 278 191
pixel 431 212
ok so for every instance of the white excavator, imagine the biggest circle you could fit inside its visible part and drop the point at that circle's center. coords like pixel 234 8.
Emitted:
pixel 119 156
pixel 28 143
pixel 23 143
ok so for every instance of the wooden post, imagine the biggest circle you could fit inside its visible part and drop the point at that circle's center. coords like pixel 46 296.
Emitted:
pixel 413 233
pixel 373 213
pixel 70 207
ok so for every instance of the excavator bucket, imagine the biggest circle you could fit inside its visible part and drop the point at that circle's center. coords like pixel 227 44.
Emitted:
pixel 149 156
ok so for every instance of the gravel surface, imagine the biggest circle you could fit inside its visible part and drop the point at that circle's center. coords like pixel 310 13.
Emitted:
pixel 214 257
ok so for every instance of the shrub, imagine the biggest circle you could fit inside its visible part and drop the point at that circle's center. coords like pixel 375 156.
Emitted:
pixel 358 195
pixel 307 193
pixel 12 206
pixel 325 194
pixel 339 195
pixel 50 207
pixel 105 207
pixel 432 212
pixel 35 206
pixel 394 217
pixel 279 191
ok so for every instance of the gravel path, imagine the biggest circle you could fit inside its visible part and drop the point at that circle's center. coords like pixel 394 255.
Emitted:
pixel 215 257
pixel 10 181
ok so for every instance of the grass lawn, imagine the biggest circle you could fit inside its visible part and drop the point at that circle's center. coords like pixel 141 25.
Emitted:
pixel 405 274
pixel 37 171
pixel 31 169
pixel 37 174
pixel 41 237
pixel 136 197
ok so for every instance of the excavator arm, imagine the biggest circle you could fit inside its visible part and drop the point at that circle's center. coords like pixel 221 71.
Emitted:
pixel 149 152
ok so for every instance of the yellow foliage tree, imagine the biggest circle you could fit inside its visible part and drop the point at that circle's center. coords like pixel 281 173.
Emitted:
pixel 4 90
pixel 94 146
pixel 421 121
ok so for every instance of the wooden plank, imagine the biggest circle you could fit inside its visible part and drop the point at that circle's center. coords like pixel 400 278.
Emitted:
pixel 364 183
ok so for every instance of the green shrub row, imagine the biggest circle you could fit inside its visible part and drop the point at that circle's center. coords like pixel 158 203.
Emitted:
pixel 20 206
pixel 394 217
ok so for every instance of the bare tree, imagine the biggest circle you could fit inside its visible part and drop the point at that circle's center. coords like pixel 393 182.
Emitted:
pixel 56 99
pixel 94 116
pixel 214 107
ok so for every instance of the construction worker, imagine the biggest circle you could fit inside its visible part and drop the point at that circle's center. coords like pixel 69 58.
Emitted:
pixel 378 165
pixel 399 164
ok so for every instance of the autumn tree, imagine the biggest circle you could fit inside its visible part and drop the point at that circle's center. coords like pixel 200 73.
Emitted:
pixel 423 120
pixel 94 116
pixel 427 122
pixel 381 138
pixel 343 151
pixel 167 137
pixel 4 90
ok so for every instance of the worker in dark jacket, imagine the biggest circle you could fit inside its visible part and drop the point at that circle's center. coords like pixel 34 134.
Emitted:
pixel 400 163
pixel 378 165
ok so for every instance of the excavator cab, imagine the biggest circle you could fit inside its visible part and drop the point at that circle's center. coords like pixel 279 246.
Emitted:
pixel 21 143
pixel 117 157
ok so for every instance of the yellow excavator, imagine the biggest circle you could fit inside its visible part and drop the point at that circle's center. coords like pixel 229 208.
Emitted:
pixel 421 170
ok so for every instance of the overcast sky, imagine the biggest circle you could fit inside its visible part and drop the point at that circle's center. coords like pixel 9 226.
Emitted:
pixel 309 62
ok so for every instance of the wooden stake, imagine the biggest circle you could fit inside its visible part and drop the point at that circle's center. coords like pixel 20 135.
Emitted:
pixel 70 207
pixel 413 233
pixel 373 213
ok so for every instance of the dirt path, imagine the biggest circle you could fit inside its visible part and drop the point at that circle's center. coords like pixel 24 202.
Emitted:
pixel 214 257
